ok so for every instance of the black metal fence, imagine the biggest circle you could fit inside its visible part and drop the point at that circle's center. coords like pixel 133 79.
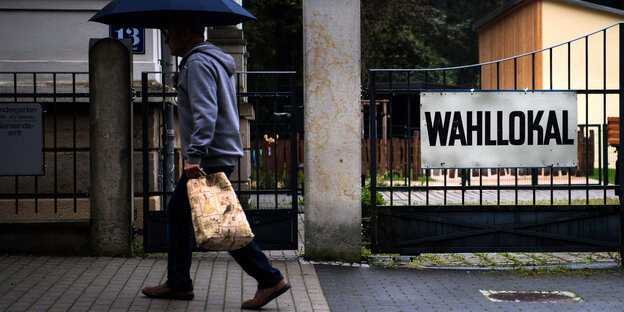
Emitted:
pixel 268 179
pixel 61 191
pixel 276 169
pixel 481 209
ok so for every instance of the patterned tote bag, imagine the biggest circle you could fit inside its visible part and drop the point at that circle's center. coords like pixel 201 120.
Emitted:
pixel 218 218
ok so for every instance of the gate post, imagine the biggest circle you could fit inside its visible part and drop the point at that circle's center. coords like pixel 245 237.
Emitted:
pixel 620 169
pixel 111 148
pixel 333 161
pixel 372 136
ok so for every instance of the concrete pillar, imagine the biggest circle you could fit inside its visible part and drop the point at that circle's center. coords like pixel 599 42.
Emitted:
pixel 231 40
pixel 110 118
pixel 332 129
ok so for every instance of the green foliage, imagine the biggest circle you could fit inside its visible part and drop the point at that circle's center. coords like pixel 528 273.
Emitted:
pixel 365 253
pixel 366 201
pixel 394 34
pixel 275 40
pixel 267 180
pixel 421 34
pixel 589 258
pixel 600 173
pixel 557 271
pixel 285 180
pixel 425 178
pixel 383 178
pixel 137 249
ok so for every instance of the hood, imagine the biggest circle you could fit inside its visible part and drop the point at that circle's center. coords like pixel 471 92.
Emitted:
pixel 214 52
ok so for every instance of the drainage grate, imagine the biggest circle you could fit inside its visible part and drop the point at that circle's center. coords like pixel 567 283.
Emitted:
pixel 530 296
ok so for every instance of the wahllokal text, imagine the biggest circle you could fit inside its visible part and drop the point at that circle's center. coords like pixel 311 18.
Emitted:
pixel 524 127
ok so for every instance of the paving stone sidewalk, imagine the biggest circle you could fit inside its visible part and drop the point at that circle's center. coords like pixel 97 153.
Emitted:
pixel 428 282
pixel 384 289
pixel 500 261
pixel 42 283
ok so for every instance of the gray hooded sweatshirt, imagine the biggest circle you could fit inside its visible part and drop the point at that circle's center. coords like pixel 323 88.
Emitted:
pixel 207 108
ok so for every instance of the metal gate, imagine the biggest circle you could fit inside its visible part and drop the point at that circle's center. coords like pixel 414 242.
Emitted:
pixel 49 213
pixel 499 209
pixel 267 180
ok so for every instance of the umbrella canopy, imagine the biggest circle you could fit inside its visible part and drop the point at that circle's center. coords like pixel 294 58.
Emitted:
pixel 158 13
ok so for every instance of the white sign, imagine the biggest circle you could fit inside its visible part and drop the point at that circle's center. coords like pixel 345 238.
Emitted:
pixel 21 139
pixel 498 129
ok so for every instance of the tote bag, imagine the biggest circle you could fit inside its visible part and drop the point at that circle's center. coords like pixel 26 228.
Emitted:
pixel 218 218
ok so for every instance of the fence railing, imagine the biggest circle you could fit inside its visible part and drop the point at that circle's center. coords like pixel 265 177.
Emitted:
pixel 399 158
pixel 595 83
pixel 265 178
pixel 266 104
pixel 62 191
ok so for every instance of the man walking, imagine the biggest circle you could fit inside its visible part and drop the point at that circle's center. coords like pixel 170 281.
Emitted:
pixel 209 132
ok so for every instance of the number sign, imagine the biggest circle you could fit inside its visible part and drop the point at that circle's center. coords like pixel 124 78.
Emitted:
pixel 136 36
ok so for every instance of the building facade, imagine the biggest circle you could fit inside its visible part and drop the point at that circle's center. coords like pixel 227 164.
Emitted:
pixel 524 26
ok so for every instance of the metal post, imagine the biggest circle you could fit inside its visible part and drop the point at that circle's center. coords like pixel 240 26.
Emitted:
pixel 168 151
pixel 166 60
pixel 166 63
pixel 293 156
pixel 619 162
pixel 372 134
pixel 145 146
pixel 605 152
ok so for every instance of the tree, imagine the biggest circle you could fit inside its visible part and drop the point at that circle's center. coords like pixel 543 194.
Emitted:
pixel 275 40
pixel 395 33
pixel 463 47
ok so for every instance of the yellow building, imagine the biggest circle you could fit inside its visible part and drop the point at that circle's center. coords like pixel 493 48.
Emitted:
pixel 589 63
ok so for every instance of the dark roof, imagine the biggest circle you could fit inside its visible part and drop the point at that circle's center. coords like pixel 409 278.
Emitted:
pixel 512 3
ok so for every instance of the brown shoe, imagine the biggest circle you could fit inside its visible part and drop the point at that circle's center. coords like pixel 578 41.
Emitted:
pixel 264 296
pixel 164 292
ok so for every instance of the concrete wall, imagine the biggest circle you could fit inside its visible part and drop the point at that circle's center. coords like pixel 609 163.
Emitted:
pixel 43 35
pixel 231 40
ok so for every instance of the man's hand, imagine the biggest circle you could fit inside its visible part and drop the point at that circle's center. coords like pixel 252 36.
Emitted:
pixel 174 79
pixel 193 171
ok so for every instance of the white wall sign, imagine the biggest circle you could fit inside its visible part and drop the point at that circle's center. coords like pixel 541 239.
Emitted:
pixel 21 139
pixel 498 129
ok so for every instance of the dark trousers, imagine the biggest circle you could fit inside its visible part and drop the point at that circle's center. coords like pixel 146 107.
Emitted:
pixel 181 238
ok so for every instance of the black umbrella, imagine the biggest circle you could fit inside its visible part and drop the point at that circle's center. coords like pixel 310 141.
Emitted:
pixel 158 13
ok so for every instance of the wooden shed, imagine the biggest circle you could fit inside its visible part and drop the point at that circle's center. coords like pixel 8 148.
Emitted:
pixel 522 26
